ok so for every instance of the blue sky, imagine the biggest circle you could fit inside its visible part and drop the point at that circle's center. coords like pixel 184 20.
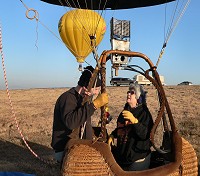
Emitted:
pixel 35 58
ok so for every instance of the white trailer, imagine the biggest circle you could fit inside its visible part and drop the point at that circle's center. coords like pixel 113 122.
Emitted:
pixel 162 79
pixel 140 79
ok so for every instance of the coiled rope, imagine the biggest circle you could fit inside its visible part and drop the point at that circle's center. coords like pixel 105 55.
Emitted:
pixel 36 17
pixel 11 105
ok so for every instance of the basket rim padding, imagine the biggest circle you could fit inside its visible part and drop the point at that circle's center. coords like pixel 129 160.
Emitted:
pixel 105 151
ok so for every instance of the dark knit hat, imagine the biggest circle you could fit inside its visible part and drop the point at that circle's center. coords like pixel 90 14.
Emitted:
pixel 85 77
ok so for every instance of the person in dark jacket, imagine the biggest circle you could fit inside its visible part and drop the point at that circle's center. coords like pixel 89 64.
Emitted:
pixel 134 125
pixel 71 118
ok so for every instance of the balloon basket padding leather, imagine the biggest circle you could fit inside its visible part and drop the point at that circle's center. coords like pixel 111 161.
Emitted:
pixel 88 158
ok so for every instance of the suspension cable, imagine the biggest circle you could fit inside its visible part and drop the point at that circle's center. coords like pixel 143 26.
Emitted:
pixel 171 30
pixel 177 20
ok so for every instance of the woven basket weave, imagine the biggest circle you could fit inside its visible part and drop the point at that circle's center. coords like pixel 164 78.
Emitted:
pixel 189 164
pixel 86 159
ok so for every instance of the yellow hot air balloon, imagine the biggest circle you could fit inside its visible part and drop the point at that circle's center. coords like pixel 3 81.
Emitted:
pixel 76 29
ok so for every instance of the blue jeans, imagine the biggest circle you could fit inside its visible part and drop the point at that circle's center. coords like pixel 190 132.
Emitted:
pixel 58 156
pixel 139 165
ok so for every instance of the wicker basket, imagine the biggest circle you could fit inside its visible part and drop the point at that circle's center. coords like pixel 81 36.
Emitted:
pixel 85 158
pixel 189 164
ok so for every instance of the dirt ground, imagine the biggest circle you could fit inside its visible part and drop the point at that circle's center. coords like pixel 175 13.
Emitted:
pixel 30 117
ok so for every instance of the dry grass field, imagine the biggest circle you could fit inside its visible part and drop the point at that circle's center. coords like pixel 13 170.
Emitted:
pixel 33 111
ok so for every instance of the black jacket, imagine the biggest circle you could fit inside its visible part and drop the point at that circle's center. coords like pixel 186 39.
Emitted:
pixel 133 140
pixel 69 115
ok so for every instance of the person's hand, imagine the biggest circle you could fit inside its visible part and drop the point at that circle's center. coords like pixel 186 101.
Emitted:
pixel 86 92
pixel 110 141
pixel 101 100
pixel 129 116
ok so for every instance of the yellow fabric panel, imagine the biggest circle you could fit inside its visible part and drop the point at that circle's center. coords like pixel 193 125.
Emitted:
pixel 76 27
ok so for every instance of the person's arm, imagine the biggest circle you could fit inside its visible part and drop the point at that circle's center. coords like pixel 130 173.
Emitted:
pixel 143 127
pixel 73 116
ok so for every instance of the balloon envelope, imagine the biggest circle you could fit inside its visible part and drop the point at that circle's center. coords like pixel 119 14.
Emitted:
pixel 76 29
pixel 109 4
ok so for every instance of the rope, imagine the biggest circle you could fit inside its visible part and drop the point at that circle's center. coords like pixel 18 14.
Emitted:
pixel 36 16
pixel 171 29
pixel 82 130
pixel 11 105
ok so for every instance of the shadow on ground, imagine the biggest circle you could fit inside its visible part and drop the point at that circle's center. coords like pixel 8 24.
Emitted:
pixel 18 158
